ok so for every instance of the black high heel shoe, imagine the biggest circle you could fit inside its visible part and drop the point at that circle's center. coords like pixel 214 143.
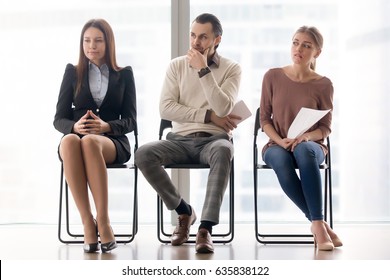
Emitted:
pixel 108 246
pixel 92 247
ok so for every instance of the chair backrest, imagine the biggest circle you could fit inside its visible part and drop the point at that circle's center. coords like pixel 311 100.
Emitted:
pixel 257 122
pixel 164 124
pixel 135 135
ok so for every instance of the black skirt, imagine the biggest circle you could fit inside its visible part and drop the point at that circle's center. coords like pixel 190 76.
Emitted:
pixel 122 146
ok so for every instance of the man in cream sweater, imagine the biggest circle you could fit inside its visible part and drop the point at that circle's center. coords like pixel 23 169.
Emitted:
pixel 198 95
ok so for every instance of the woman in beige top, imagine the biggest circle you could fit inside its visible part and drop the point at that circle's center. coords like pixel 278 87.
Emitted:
pixel 284 92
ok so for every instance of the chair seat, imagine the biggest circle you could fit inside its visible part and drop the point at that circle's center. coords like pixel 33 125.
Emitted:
pixel 188 166
pixel 121 165
pixel 265 166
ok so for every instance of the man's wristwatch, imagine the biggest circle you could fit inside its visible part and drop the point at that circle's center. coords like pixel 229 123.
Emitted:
pixel 203 71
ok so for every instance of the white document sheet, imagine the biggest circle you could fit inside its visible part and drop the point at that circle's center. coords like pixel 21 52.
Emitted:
pixel 240 109
pixel 305 119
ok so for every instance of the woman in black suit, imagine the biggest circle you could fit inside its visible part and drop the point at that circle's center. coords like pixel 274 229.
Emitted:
pixel 96 108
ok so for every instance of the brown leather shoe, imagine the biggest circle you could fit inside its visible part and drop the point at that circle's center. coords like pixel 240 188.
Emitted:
pixel 204 244
pixel 182 230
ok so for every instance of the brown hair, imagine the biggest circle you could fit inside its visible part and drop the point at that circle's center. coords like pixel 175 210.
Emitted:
pixel 109 57
pixel 210 18
pixel 316 36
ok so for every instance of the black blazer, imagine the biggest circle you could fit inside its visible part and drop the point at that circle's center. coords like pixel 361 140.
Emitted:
pixel 118 107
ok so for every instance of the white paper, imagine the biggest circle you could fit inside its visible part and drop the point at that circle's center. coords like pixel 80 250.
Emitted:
pixel 240 109
pixel 305 119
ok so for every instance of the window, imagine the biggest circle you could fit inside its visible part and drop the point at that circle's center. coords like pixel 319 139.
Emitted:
pixel 258 34
pixel 40 37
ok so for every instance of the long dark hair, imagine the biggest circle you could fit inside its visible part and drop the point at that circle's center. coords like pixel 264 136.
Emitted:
pixel 109 57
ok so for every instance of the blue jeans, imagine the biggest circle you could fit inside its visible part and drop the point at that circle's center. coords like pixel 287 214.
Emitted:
pixel 306 190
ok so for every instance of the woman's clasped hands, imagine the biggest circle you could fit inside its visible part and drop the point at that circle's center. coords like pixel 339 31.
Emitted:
pixel 290 144
pixel 91 124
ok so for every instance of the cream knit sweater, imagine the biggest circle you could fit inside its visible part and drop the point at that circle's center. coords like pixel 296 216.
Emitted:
pixel 185 98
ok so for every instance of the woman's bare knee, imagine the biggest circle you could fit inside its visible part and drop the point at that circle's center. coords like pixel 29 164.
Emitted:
pixel 70 144
pixel 91 144
pixel 70 139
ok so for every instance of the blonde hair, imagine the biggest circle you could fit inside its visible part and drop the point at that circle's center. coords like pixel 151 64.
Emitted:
pixel 316 36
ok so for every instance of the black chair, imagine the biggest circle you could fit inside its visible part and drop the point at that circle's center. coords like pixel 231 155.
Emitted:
pixel 74 238
pixel 217 237
pixel 281 238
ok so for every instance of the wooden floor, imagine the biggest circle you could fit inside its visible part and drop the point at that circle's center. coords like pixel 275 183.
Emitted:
pixel 39 242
